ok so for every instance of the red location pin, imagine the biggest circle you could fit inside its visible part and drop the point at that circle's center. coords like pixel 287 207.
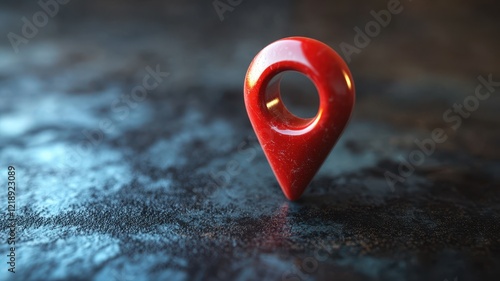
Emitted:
pixel 296 147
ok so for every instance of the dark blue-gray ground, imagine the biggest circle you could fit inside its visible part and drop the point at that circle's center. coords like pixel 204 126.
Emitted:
pixel 157 198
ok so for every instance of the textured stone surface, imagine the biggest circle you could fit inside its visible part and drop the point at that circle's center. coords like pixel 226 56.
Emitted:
pixel 179 189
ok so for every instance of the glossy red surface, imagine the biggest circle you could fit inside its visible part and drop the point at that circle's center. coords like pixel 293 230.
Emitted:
pixel 296 147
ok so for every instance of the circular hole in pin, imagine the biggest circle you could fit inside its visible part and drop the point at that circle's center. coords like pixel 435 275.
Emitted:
pixel 299 94
pixel 292 98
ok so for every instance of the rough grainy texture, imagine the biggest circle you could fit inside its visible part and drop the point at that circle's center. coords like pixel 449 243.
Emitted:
pixel 178 188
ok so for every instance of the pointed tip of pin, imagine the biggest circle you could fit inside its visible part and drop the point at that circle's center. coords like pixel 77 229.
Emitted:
pixel 293 185
pixel 292 196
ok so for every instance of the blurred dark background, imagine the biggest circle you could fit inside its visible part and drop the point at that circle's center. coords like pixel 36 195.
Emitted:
pixel 112 187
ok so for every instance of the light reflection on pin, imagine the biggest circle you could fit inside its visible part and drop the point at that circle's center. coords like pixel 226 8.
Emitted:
pixel 272 103
pixel 347 79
